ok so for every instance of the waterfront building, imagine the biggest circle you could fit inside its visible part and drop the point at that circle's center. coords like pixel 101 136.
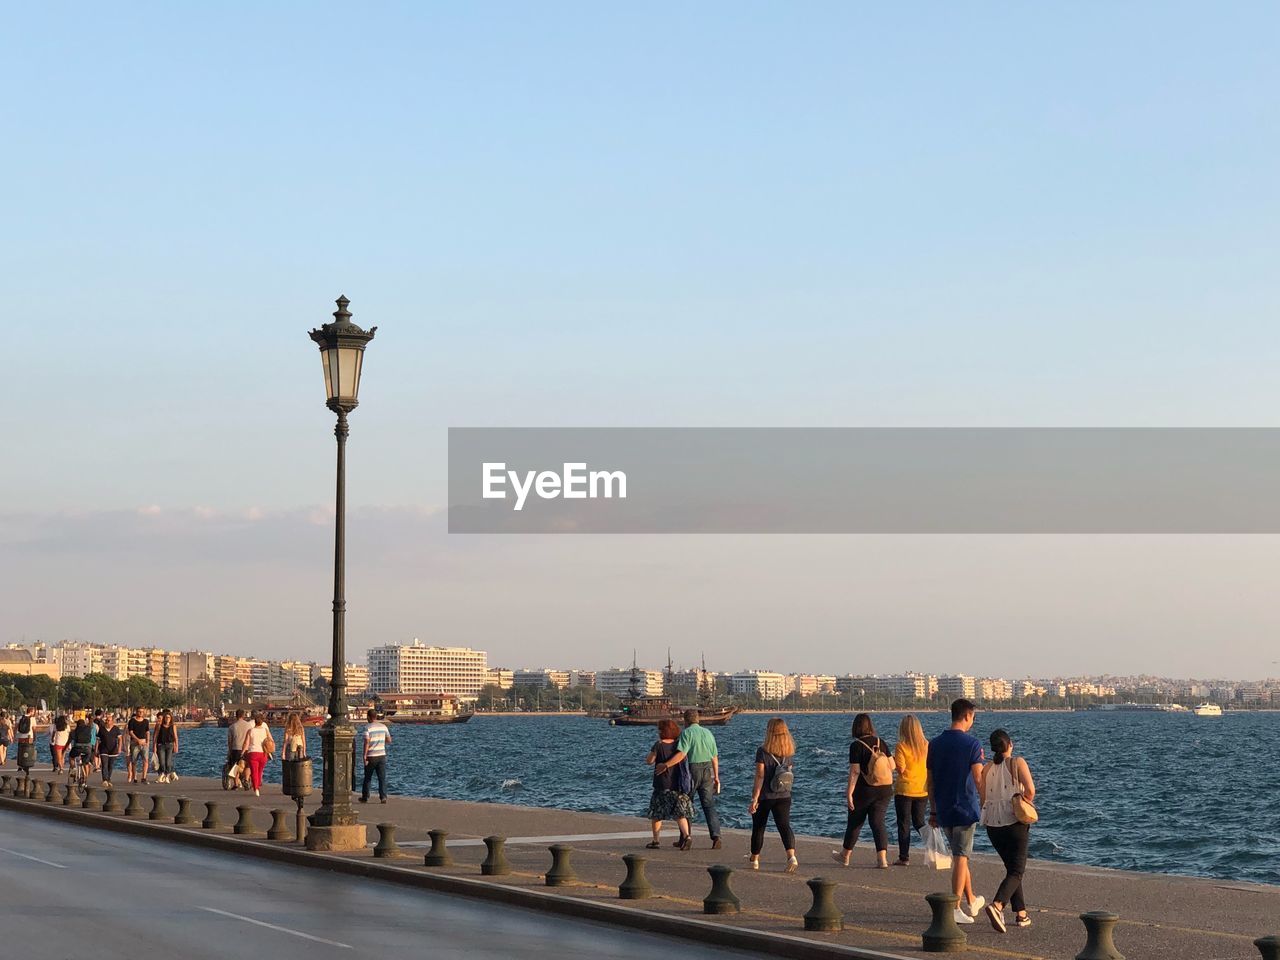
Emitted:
pixel 764 684
pixel 79 659
pixel 197 665
pixel 417 668
pixel 541 677
pixel 994 689
pixel 618 682
pixel 500 677
pixel 957 686
pixel 357 676
pixel 22 663
pixel 582 678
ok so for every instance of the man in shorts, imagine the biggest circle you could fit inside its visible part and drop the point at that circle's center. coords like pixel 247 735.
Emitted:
pixel 139 746
pixel 955 770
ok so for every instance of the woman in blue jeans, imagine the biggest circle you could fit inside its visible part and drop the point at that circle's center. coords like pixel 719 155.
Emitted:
pixel 166 747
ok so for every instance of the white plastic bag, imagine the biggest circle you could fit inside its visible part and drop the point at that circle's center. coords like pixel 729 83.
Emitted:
pixel 937 851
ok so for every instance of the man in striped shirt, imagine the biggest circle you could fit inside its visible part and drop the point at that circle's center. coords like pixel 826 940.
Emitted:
pixel 376 739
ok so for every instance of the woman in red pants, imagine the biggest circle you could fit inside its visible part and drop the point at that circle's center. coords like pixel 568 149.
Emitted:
pixel 257 750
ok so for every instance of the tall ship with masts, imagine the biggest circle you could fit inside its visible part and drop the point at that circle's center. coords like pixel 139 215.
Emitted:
pixel 639 709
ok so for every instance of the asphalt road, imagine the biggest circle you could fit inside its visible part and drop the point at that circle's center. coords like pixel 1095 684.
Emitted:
pixel 71 893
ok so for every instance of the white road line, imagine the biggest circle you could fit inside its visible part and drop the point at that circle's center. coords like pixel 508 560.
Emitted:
pixel 24 856
pixel 565 838
pixel 272 926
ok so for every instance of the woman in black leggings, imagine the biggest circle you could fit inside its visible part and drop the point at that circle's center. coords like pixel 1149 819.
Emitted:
pixel 869 791
pixel 771 792
pixel 1003 779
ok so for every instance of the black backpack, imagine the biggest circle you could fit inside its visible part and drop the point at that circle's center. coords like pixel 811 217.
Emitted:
pixel 24 726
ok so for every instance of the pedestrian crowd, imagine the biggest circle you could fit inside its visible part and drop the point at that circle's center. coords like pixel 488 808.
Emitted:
pixel 941 790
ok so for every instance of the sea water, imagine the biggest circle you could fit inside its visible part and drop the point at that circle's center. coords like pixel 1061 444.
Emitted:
pixel 1171 793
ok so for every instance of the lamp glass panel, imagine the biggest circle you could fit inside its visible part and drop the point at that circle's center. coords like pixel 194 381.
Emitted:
pixel 328 380
pixel 348 358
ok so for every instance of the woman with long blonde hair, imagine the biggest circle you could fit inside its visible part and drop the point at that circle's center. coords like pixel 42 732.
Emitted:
pixel 911 795
pixel 295 738
pixel 771 792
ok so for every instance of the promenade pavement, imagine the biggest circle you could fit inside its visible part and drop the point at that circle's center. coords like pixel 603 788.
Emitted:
pixel 1161 916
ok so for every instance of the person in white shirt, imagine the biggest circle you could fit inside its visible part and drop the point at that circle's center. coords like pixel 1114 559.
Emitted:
pixel 376 739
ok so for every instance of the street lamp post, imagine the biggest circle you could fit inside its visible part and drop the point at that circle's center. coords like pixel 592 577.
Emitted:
pixel 334 825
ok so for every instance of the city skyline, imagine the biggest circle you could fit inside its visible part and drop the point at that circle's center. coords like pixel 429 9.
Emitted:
pixel 562 217
pixel 131 661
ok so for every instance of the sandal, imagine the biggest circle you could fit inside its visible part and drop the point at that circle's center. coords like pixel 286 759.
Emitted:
pixel 839 858
pixel 686 843
pixel 652 845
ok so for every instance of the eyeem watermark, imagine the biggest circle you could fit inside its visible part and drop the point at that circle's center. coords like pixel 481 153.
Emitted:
pixel 573 482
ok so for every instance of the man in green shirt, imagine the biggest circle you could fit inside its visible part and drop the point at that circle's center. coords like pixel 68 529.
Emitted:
pixel 698 745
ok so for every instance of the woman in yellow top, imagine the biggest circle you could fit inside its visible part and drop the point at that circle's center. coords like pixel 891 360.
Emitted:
pixel 911 794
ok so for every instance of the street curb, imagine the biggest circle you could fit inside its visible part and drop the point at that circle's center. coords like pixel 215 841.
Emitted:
pixel 689 928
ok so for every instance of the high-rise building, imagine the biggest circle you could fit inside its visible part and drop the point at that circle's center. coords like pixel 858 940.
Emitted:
pixel 499 677
pixel 618 682
pixel 541 677
pixel 78 659
pixel 764 684
pixel 418 668
pixel 955 687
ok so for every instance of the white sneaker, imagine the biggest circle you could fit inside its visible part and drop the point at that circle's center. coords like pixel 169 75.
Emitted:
pixel 976 905
pixel 962 917
pixel 792 863
pixel 173 778
pixel 163 778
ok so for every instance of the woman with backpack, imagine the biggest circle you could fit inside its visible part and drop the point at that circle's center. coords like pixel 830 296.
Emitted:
pixel 868 791
pixel 1007 794
pixel 771 792
pixel 672 797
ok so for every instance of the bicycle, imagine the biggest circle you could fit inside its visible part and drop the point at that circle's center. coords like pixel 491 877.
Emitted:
pixel 79 766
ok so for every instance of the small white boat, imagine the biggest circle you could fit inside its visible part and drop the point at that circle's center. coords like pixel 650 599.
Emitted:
pixel 1208 710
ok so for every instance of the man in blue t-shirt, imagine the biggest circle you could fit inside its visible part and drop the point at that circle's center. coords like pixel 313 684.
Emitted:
pixel 955 770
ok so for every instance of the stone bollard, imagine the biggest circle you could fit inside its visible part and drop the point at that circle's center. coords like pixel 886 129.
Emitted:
pixel 134 809
pixel 721 899
pixel 495 857
pixel 72 797
pixel 1269 947
pixel 636 886
pixel 244 825
pixel 113 804
pixel 561 873
pixel 944 934
pixel 4 785
pixel 824 915
pixel 51 794
pixel 91 801
pixel 386 848
pixel 184 811
pixel 158 811
pixel 1098 945
pixel 34 791
pixel 279 829
pixel 211 819
pixel 438 855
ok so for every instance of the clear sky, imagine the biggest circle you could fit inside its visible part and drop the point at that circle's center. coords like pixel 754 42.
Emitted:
pixel 579 214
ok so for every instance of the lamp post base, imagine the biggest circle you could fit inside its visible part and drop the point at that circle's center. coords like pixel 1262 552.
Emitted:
pixel 343 839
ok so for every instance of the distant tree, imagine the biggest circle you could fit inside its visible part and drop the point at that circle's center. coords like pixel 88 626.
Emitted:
pixel 239 692
pixel 203 693
pixel 143 692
